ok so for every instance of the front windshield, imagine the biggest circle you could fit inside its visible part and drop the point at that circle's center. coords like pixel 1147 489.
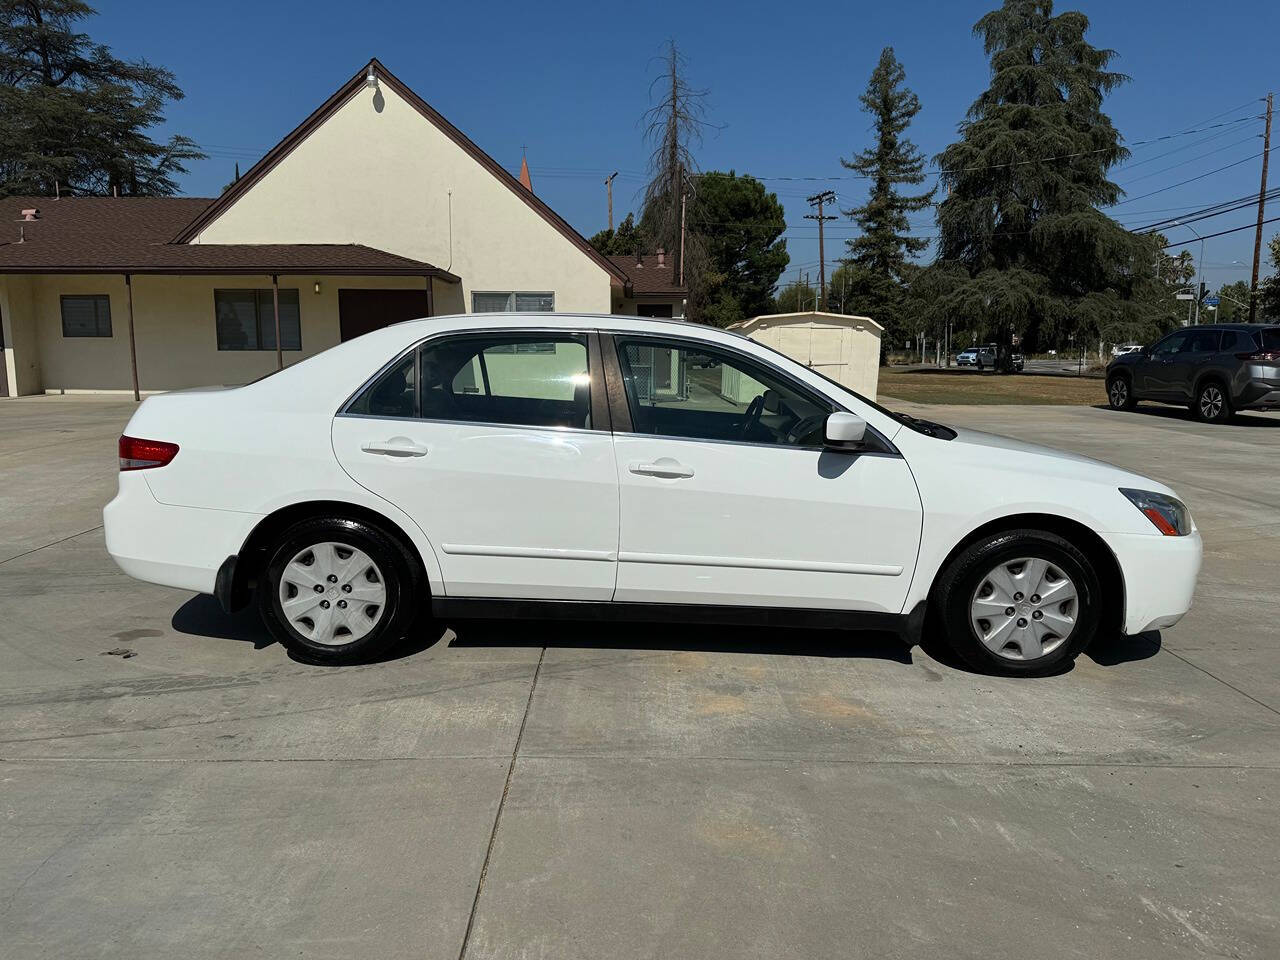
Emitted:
pixel 928 427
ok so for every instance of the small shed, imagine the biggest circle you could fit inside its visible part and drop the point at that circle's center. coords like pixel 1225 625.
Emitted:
pixel 844 348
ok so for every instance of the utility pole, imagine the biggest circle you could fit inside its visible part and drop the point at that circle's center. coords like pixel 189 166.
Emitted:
pixel 683 199
pixel 608 182
pixel 818 200
pixel 1262 194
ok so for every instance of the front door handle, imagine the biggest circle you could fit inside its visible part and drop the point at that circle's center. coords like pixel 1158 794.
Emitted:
pixel 395 447
pixel 662 467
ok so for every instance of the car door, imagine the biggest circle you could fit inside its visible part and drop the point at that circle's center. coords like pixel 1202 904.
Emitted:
pixel 728 496
pixel 1155 376
pixel 497 443
pixel 1194 357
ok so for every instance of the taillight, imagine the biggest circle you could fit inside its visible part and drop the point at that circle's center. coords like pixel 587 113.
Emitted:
pixel 138 454
pixel 1261 356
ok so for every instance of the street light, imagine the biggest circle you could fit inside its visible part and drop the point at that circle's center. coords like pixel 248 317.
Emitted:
pixel 1199 266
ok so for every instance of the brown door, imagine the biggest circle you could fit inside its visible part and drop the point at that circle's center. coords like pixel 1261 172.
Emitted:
pixel 360 311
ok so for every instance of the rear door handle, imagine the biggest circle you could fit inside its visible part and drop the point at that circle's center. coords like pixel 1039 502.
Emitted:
pixel 395 447
pixel 662 467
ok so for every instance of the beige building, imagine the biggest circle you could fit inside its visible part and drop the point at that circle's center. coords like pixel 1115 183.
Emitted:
pixel 845 349
pixel 374 210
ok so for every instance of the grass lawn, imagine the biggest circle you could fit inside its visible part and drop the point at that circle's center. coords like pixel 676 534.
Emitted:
pixel 965 386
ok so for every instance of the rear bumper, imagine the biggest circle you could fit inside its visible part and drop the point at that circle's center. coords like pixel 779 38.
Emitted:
pixel 1259 395
pixel 173 546
pixel 1159 577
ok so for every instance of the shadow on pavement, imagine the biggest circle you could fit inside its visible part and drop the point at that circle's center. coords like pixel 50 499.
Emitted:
pixel 681 638
pixel 201 616
pixel 1247 418
pixel 1117 649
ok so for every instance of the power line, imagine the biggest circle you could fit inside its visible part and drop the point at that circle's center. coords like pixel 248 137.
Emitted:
pixel 1223 233
pixel 1181 183
pixel 1207 213
pixel 1017 163
pixel 1183 163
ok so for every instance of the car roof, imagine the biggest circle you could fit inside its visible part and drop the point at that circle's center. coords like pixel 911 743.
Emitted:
pixel 1230 326
pixel 594 321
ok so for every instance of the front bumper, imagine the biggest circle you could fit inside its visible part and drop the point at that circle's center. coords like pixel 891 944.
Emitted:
pixel 173 546
pixel 1159 577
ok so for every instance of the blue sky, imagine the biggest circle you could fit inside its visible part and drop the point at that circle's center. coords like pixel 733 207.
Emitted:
pixel 569 82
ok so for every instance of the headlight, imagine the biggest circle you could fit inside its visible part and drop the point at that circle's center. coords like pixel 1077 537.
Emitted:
pixel 1169 516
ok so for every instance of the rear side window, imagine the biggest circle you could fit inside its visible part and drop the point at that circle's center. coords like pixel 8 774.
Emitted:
pixel 1237 341
pixel 540 380
pixel 392 395
pixel 1270 337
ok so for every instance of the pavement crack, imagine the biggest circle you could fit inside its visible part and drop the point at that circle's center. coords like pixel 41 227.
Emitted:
pixel 1225 683
pixel 27 553
pixel 497 820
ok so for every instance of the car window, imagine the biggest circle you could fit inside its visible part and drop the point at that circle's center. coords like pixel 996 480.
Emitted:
pixel 1201 341
pixel 1170 344
pixel 1270 337
pixel 1234 341
pixel 538 380
pixel 690 391
pixel 391 395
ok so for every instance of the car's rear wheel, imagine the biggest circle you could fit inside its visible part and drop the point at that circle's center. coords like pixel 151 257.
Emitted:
pixel 1020 602
pixel 1120 393
pixel 338 591
pixel 1212 403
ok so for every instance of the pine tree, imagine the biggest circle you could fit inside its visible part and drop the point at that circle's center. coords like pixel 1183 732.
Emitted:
pixel 878 260
pixel 1026 181
pixel 74 115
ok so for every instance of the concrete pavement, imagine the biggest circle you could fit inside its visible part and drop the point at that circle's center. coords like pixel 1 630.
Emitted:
pixel 674 791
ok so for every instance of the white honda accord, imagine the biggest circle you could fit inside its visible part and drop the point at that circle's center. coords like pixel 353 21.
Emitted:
pixel 543 465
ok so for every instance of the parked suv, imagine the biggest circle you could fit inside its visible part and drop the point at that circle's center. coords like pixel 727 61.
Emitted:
pixel 977 357
pixel 1214 370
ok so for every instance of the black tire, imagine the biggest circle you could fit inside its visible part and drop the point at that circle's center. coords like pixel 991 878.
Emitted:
pixel 1120 392
pixel 397 571
pixel 959 584
pixel 1212 403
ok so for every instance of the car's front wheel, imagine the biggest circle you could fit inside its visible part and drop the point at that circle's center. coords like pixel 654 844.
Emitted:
pixel 1019 602
pixel 338 591
pixel 1120 392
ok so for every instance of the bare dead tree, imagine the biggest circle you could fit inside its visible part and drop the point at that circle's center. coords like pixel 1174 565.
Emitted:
pixel 673 125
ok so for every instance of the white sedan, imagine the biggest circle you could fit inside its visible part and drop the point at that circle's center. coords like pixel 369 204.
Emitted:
pixel 589 467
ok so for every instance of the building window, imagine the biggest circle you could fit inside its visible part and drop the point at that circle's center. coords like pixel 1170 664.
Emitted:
pixel 86 316
pixel 246 320
pixel 491 302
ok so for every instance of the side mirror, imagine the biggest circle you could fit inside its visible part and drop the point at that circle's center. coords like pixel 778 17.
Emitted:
pixel 845 431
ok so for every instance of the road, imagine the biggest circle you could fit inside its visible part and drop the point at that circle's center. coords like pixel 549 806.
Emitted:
pixel 172 784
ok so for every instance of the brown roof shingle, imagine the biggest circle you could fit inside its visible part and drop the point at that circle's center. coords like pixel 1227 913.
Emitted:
pixel 131 235
pixel 648 278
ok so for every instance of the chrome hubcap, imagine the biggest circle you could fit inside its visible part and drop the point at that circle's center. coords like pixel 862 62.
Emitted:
pixel 1024 609
pixel 332 593
pixel 1119 392
pixel 1210 402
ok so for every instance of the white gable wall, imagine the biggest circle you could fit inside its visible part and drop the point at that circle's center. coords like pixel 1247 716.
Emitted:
pixel 378 172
